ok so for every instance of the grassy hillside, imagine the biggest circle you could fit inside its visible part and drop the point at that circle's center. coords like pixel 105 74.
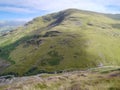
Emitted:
pixel 67 40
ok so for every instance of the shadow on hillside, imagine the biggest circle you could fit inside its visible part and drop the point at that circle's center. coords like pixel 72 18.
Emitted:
pixel 79 57
pixel 5 51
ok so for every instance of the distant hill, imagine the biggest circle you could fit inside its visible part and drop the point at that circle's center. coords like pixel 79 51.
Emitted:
pixel 114 16
pixel 6 26
pixel 67 40
pixel 11 23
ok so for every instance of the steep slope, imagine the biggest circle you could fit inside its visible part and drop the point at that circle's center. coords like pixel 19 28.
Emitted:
pixel 67 40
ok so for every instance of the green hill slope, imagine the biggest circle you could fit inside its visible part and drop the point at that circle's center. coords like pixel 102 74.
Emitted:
pixel 67 40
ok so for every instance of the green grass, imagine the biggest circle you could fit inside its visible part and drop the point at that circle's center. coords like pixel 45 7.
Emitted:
pixel 78 45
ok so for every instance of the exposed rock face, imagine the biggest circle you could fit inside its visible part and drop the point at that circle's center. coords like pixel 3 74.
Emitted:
pixel 51 34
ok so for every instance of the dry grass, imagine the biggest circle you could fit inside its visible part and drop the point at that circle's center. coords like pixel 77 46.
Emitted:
pixel 69 81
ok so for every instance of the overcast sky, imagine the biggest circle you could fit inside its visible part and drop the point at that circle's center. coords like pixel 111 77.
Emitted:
pixel 28 9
